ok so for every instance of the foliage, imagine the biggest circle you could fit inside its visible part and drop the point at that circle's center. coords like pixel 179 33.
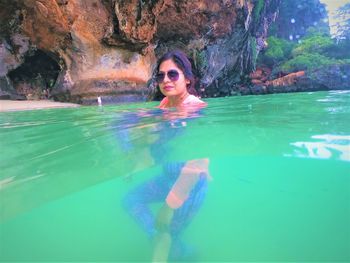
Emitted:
pixel 278 49
pixel 313 44
pixel 200 60
pixel 340 50
pixel 316 30
pixel 300 39
pixel 253 47
pixel 306 61
pixel 315 50
pixel 257 10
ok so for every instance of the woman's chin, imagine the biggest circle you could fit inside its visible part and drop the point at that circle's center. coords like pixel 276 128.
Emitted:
pixel 169 93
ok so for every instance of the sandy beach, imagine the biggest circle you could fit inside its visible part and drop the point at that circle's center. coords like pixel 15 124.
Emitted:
pixel 15 105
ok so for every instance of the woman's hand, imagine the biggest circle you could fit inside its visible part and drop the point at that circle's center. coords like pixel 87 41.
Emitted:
pixel 197 166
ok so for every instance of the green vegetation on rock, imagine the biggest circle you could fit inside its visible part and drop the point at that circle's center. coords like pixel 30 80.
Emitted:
pixel 306 61
pixel 317 43
pixel 300 39
pixel 278 50
pixel 257 10
pixel 313 51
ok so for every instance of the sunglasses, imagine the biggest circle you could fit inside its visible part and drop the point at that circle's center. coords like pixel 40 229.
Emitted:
pixel 172 74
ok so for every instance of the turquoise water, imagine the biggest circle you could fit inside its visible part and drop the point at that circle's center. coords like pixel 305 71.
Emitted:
pixel 280 188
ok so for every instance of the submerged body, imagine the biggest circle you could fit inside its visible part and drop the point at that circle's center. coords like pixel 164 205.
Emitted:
pixel 180 188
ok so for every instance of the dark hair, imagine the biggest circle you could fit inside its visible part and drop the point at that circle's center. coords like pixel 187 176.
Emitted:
pixel 181 60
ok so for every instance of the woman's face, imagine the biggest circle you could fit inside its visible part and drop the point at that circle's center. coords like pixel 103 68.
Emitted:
pixel 174 82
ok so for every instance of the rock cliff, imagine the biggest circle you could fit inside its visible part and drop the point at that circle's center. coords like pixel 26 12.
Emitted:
pixel 76 50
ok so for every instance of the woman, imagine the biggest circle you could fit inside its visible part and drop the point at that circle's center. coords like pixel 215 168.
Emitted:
pixel 176 81
pixel 182 185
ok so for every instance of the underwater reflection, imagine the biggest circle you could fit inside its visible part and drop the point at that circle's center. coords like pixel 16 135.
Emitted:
pixel 179 189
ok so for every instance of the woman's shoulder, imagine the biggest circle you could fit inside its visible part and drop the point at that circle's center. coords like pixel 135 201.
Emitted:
pixel 163 102
pixel 191 99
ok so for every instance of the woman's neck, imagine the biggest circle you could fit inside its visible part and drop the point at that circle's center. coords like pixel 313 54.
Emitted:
pixel 174 101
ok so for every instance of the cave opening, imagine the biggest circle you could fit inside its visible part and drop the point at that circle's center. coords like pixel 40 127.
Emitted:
pixel 36 77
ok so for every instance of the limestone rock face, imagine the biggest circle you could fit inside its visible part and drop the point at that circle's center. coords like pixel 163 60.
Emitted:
pixel 44 23
pixel 196 19
pixel 109 48
pixel 287 80
pixel 332 77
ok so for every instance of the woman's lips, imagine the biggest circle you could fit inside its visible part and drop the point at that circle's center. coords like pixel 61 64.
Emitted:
pixel 167 88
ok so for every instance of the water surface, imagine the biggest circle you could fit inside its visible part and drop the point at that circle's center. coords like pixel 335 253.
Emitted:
pixel 280 188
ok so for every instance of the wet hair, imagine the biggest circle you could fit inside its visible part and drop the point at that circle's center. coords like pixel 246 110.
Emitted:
pixel 182 62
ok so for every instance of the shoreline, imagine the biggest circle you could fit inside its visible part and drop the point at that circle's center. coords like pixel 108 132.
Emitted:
pixel 24 105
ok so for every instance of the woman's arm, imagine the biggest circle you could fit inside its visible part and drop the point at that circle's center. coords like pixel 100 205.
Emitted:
pixel 189 176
